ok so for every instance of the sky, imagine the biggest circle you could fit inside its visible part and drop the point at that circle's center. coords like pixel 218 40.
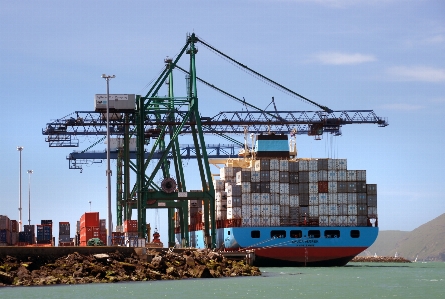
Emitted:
pixel 383 55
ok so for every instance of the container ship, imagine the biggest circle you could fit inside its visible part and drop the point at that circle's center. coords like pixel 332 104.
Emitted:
pixel 291 211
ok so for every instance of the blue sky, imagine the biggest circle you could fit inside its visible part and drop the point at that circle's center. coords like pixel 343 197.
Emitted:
pixel 385 55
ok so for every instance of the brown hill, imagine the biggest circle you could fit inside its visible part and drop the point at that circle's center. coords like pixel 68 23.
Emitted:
pixel 427 242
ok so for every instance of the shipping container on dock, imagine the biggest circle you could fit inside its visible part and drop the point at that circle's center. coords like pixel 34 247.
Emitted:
pixel 64 228
pixel 44 234
pixel 5 237
pixel 89 219
pixel 130 225
pixel 5 223
pixel 87 233
pixel 26 237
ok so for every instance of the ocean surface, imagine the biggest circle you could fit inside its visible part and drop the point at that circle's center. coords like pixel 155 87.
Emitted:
pixel 355 280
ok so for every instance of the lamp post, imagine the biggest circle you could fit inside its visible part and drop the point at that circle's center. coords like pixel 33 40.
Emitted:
pixel 29 196
pixel 108 172
pixel 20 149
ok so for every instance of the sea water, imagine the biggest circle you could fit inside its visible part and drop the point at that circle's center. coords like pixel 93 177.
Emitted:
pixel 355 280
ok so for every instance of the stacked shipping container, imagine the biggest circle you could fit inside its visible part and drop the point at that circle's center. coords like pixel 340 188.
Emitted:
pixel 64 234
pixel 314 192
pixel 89 227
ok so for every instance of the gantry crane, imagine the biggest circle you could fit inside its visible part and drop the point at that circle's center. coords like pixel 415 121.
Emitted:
pixel 160 121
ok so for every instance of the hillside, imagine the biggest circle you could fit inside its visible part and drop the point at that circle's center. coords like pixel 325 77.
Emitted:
pixel 427 242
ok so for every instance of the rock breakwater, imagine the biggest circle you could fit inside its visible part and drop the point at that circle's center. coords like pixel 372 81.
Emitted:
pixel 78 268
pixel 380 259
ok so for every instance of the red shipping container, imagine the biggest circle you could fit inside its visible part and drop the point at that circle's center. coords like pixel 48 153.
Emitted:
pixel 103 236
pixel 87 233
pixel 130 226
pixel 323 187
pixel 89 219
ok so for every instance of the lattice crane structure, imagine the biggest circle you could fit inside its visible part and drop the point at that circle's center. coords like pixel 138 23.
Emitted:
pixel 160 121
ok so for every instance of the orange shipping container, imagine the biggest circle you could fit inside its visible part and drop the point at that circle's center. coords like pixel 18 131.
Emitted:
pixel 130 226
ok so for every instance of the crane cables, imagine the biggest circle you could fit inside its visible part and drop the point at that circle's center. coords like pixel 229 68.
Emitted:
pixel 264 78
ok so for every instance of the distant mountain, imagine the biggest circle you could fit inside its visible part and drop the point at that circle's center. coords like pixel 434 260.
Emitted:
pixel 427 242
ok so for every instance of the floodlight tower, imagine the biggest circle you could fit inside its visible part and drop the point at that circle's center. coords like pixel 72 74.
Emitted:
pixel 29 196
pixel 108 172
pixel 20 149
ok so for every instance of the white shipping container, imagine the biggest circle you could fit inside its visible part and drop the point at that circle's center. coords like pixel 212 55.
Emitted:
pixel 313 199
pixel 313 211
pixel 246 222
pixel 313 187
pixel 284 165
pixel 342 198
pixel 256 210
pixel 256 221
pixel 342 175
pixel 274 164
pixel 293 200
pixel 275 210
pixel 265 221
pixel 221 195
pixel 332 164
pixel 256 198
pixel 333 209
pixel 234 213
pixel 274 176
pixel 275 221
pixel 322 175
pixel 245 187
pixel 352 198
pixel 303 165
pixel 352 176
pixel 313 165
pixel 284 188
pixel 352 220
pixel 342 220
pixel 333 198
pixel 323 220
pixel 246 211
pixel 255 177
pixel 342 164
pixel 332 175
pixel 274 187
pixel 333 221
pixel 322 198
pixel 313 176
pixel 352 210
pixel 246 199
pixel 323 210
pixel 265 211
pixel 332 187
pixel 219 185
pixel 265 199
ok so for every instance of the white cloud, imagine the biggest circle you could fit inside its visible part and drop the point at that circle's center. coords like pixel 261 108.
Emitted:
pixel 402 107
pixel 337 58
pixel 417 73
